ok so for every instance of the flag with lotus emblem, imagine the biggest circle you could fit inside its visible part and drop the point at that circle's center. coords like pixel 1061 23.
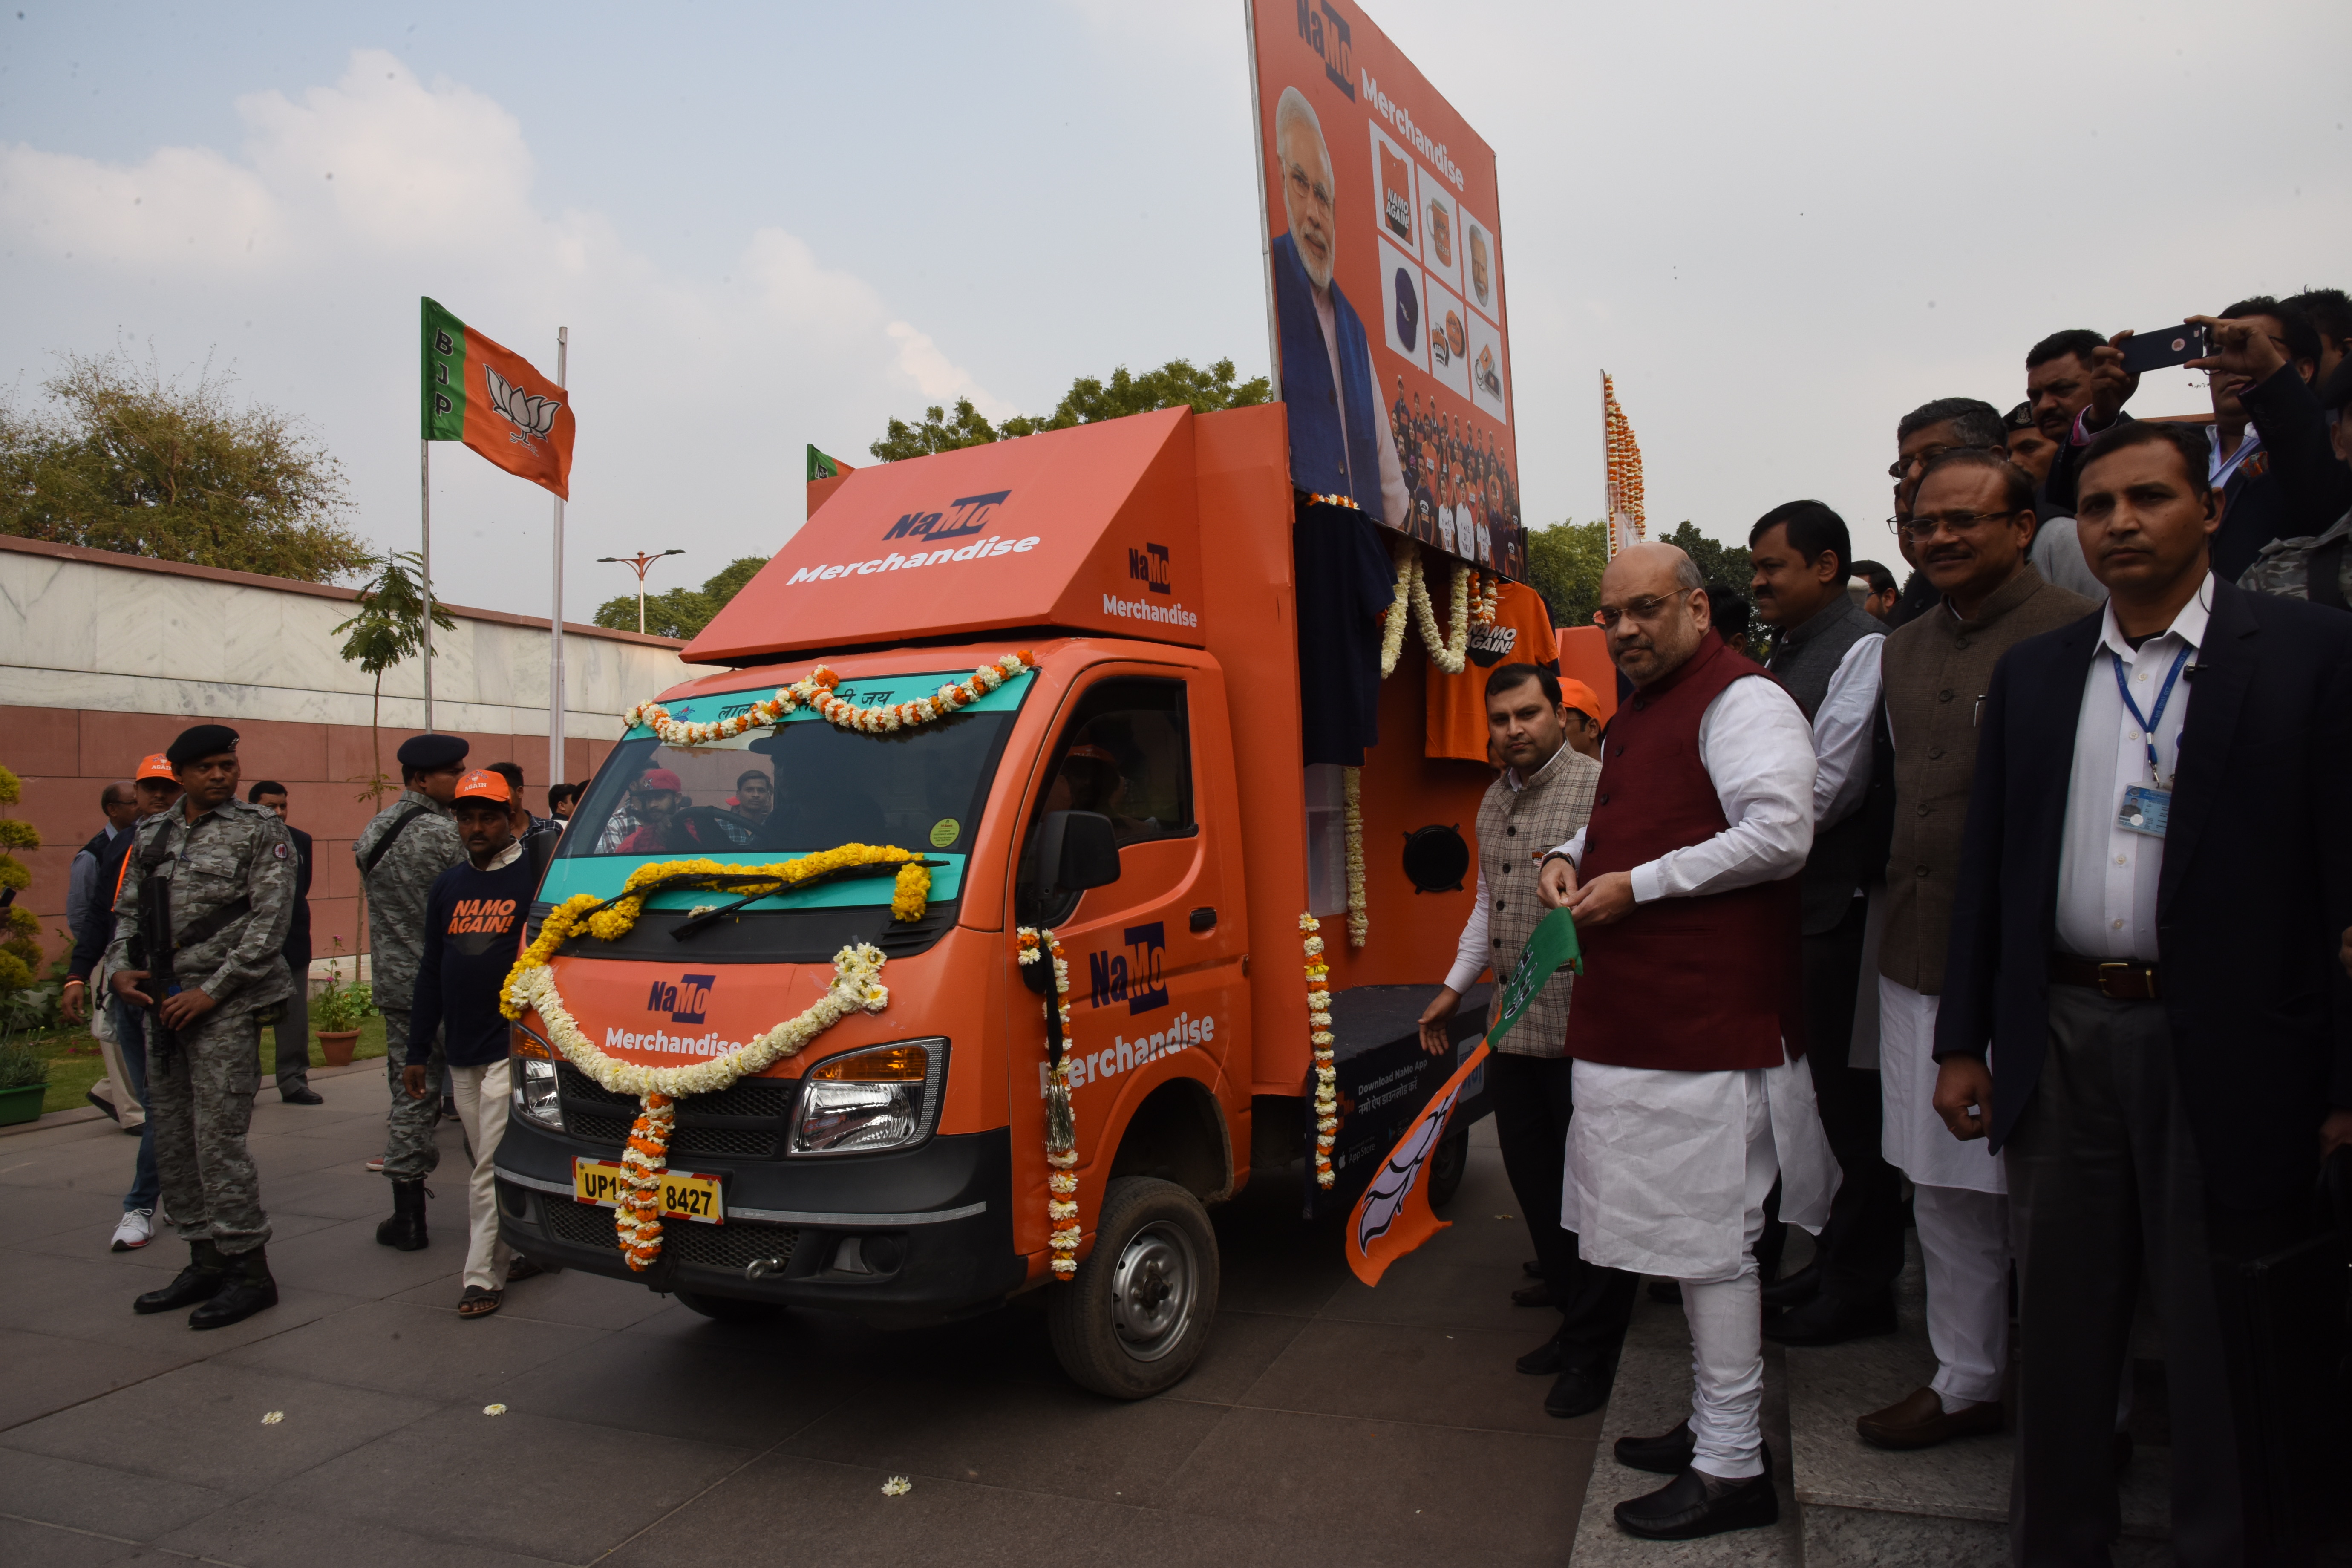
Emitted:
pixel 490 399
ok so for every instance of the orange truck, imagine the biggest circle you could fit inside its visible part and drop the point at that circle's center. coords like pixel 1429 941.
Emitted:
pixel 1140 793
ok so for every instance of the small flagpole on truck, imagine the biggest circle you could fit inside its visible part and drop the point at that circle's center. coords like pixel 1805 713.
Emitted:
pixel 426 559
pixel 555 615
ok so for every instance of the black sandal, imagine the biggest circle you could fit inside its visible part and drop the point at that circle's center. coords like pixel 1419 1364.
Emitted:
pixel 522 1268
pixel 477 1303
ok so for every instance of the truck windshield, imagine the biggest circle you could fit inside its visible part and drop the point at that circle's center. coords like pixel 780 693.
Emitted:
pixel 801 787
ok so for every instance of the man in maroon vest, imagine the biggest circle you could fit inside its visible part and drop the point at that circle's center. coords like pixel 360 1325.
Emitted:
pixel 1688 1102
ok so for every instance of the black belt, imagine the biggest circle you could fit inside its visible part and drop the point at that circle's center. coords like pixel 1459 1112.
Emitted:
pixel 2117 981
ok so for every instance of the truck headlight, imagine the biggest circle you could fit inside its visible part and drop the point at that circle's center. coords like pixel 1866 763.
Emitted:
pixel 883 1097
pixel 535 1084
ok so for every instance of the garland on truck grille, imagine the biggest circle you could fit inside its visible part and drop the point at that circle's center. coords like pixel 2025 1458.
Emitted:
pixel 1061 1122
pixel 855 987
pixel 1327 1077
pixel 816 689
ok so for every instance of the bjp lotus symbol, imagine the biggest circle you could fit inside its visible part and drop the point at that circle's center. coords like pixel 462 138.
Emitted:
pixel 531 415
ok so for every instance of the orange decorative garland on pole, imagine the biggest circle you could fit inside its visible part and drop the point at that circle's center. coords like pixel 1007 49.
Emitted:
pixel 1327 1075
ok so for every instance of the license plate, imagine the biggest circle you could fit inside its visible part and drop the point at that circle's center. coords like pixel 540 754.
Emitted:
pixel 685 1196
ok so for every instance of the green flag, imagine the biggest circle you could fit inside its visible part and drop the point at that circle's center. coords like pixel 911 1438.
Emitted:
pixel 1551 944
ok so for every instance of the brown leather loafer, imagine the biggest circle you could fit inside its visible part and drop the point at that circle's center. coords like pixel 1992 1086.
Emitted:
pixel 1919 1420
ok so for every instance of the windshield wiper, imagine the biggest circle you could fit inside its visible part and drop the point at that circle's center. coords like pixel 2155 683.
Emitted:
pixel 695 924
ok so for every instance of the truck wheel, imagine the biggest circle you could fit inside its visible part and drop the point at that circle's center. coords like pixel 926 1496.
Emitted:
pixel 1137 1315
pixel 729 1309
pixel 1447 1165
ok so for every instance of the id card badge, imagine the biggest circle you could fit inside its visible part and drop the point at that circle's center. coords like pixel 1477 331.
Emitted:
pixel 2145 810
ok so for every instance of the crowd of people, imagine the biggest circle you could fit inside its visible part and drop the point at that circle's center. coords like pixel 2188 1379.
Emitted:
pixel 1882 933
pixel 189 910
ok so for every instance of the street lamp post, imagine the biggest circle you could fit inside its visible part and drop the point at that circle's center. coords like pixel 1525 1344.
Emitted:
pixel 641 563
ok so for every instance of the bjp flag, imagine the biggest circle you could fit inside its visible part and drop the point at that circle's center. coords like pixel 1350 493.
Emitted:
pixel 490 399
pixel 1393 1217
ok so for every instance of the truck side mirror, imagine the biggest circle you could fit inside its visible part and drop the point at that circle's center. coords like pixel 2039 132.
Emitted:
pixel 1079 848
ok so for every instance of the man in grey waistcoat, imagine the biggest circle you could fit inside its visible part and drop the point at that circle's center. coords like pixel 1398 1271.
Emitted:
pixel 1825 652
pixel 1542 798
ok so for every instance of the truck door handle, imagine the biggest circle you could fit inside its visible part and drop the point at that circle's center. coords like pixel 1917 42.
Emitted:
pixel 1204 919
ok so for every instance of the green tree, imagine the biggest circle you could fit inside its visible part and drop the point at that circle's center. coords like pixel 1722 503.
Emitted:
pixel 1173 385
pixel 20 949
pixel 123 459
pixel 1564 565
pixel 388 629
pixel 682 613
pixel 1725 563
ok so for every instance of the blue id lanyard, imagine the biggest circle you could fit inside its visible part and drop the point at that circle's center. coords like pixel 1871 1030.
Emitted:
pixel 2148 724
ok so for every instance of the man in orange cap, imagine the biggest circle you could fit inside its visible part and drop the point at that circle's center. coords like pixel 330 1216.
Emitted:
pixel 120 1028
pixel 473 921
pixel 1583 711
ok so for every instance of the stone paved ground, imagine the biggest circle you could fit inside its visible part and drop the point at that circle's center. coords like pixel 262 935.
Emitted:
pixel 1328 1425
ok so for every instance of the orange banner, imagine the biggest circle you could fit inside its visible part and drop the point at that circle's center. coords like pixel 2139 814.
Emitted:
pixel 1393 1217
pixel 489 397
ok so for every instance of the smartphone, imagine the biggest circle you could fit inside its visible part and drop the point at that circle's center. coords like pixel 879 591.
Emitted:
pixel 2169 345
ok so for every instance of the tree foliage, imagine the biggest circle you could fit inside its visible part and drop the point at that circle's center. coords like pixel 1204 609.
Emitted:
pixel 1175 383
pixel 1565 562
pixel 682 613
pixel 20 952
pixel 123 459
pixel 388 629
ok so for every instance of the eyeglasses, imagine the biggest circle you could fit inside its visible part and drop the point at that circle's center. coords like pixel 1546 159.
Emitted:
pixel 1647 608
pixel 1305 190
pixel 1922 526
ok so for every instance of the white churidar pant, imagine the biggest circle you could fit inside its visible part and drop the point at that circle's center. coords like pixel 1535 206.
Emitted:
pixel 481 1096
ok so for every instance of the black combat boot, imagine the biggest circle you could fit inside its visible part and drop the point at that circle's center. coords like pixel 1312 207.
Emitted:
pixel 406 1228
pixel 205 1277
pixel 248 1290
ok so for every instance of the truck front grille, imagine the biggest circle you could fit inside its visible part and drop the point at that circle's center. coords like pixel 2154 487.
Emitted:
pixel 733 1246
pixel 745 1118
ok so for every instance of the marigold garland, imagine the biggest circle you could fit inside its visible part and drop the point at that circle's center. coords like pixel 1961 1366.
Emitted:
pixel 1359 923
pixel 530 986
pixel 815 691
pixel 1486 600
pixel 1061 1122
pixel 1326 1076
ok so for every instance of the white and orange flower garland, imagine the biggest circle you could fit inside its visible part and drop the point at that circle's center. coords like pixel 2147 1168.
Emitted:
pixel 530 986
pixel 1486 600
pixel 1061 1122
pixel 1359 923
pixel 815 691
pixel 1326 1076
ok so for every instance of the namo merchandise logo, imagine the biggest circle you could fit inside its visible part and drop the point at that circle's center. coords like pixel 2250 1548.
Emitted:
pixel 922 535
pixel 686 1000
pixel 1123 1055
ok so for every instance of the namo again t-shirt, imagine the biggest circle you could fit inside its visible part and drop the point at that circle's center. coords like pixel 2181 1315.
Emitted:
pixel 1521 634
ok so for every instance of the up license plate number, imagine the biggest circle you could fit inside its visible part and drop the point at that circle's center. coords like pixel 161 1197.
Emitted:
pixel 685 1196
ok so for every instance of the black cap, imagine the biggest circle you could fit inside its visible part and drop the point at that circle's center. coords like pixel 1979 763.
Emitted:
pixel 203 740
pixel 2019 418
pixel 426 753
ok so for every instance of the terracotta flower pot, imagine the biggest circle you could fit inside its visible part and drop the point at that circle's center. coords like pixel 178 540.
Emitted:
pixel 338 1044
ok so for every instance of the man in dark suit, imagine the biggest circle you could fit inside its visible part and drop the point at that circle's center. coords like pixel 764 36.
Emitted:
pixel 2152 879
pixel 293 1030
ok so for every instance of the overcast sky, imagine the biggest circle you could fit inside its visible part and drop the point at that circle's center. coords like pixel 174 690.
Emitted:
pixel 1779 226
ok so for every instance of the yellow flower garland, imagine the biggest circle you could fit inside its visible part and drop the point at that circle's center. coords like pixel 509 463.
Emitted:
pixel 855 987
pixel 816 689
pixel 1326 1076
pixel 1061 1121
pixel 1359 923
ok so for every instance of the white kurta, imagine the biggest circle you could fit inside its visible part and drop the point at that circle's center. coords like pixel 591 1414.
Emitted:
pixel 1657 1160
pixel 1912 1136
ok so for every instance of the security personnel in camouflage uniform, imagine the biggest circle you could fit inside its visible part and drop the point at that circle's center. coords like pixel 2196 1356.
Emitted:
pixel 400 854
pixel 223 871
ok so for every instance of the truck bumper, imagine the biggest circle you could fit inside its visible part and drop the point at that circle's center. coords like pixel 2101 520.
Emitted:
pixel 900 1238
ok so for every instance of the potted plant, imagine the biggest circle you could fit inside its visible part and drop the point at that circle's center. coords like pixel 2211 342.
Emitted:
pixel 336 1013
pixel 23 1081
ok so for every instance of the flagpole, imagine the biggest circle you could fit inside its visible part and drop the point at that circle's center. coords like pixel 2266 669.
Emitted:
pixel 555 618
pixel 426 559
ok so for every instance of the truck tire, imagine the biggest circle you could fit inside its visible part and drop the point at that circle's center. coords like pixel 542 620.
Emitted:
pixel 729 1309
pixel 1137 1315
pixel 1447 1165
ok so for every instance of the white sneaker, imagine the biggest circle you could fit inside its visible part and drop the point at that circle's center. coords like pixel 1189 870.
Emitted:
pixel 138 1227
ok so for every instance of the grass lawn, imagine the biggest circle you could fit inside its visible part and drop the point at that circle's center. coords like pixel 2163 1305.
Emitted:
pixel 75 1063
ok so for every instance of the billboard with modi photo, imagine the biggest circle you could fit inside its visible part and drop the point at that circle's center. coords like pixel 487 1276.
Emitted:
pixel 1384 283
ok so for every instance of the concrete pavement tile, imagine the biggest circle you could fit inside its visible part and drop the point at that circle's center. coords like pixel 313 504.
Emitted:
pixel 1313 1540
pixel 1062 1441
pixel 1388 1372
pixel 353 1193
pixel 202 1425
pixel 37 1212
pixel 264 1532
pixel 1242 1345
pixel 788 1511
pixel 92 1156
pixel 517 1481
pixel 53 1546
pixel 166 1252
pixel 89 1299
pixel 1271 1261
pixel 99 1497
pixel 639 1384
pixel 347 1258
pixel 403 1348
pixel 1392 1480
pixel 588 1300
pixel 46 1373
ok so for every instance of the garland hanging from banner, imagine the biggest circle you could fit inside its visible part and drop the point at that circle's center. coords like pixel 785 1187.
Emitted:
pixel 1061 1122
pixel 1327 1075
pixel 855 987
pixel 815 691
pixel 1359 923
pixel 1449 650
